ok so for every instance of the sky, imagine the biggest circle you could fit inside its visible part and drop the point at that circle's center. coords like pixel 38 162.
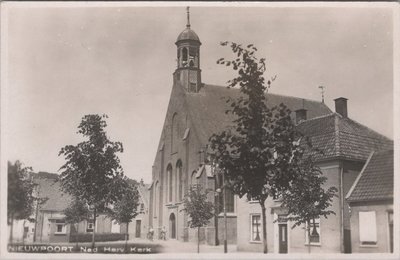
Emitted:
pixel 65 62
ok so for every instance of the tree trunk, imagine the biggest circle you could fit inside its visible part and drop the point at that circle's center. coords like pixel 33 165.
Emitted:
pixel 11 228
pixel 126 238
pixel 309 236
pixel 264 226
pixel 94 228
pixel 198 240
pixel 77 236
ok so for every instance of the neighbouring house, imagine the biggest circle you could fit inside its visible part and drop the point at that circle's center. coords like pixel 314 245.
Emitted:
pixel 371 205
pixel 197 110
pixel 139 226
pixel 341 148
pixel 50 225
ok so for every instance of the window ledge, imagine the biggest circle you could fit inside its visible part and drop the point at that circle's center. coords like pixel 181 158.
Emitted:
pixel 60 234
pixel 255 242
pixel 228 215
pixel 372 246
pixel 254 202
pixel 313 244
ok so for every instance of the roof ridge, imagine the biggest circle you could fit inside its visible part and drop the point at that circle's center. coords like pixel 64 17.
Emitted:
pixel 316 118
pixel 348 195
pixel 281 95
pixel 369 129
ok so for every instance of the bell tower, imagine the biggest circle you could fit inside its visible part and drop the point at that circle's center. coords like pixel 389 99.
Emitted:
pixel 188 71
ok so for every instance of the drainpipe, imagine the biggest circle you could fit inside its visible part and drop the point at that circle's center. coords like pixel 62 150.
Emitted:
pixel 341 209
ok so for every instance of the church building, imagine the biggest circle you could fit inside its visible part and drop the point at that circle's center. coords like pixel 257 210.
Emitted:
pixel 196 110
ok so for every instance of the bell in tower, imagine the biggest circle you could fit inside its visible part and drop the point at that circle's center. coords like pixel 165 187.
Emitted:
pixel 188 72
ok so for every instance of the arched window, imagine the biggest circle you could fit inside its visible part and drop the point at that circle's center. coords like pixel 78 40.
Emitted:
pixel 184 57
pixel 179 176
pixel 156 199
pixel 170 182
pixel 230 198
pixel 174 133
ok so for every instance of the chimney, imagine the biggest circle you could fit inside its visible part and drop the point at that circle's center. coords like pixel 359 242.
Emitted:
pixel 141 182
pixel 301 115
pixel 341 106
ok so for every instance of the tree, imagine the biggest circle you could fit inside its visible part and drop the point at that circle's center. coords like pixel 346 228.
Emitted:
pixel 258 152
pixel 199 209
pixel 76 212
pixel 307 200
pixel 92 172
pixel 126 209
pixel 20 197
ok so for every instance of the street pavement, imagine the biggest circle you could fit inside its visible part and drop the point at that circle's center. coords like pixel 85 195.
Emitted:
pixel 175 246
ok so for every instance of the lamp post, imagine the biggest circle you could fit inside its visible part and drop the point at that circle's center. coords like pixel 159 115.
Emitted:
pixel 219 188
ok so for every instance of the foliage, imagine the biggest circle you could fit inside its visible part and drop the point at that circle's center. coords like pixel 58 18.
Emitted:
pixel 124 210
pixel 258 153
pixel 92 172
pixel 307 200
pixel 102 237
pixel 76 212
pixel 196 205
pixel 20 200
pixel 92 167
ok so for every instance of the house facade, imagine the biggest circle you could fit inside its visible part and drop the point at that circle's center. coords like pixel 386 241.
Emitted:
pixel 371 205
pixel 341 148
pixel 50 226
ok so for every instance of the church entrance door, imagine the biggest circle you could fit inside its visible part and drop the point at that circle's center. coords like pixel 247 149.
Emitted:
pixel 172 226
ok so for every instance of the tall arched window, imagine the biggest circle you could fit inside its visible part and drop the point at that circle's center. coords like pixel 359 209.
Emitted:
pixel 174 133
pixel 179 176
pixel 170 182
pixel 156 199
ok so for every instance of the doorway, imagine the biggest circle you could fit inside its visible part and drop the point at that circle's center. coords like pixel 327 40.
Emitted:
pixel 172 226
pixel 138 228
pixel 283 244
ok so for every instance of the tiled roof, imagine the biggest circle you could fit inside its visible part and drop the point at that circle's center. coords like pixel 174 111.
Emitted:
pixel 49 187
pixel 207 108
pixel 334 136
pixel 375 181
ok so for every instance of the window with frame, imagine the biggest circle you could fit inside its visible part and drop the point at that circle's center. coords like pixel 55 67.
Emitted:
pixel 255 225
pixel 315 232
pixel 141 207
pixel 60 227
pixel 90 226
pixel 367 227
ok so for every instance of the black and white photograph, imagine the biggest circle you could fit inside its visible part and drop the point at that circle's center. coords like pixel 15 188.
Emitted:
pixel 181 130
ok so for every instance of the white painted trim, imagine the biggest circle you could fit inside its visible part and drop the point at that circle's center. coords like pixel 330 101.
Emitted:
pixel 359 176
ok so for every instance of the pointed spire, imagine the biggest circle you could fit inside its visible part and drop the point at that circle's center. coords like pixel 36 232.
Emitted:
pixel 188 18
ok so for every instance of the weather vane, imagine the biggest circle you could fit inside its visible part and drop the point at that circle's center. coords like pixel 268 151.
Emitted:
pixel 188 17
pixel 322 92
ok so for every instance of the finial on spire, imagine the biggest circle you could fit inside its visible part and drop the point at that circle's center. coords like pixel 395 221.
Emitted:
pixel 188 18
pixel 322 92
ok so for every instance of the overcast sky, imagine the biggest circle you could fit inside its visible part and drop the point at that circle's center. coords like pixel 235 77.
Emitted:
pixel 63 63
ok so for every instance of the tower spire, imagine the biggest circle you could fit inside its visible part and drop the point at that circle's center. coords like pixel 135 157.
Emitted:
pixel 188 17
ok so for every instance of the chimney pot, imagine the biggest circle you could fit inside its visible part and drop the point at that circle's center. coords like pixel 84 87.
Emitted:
pixel 301 115
pixel 341 106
